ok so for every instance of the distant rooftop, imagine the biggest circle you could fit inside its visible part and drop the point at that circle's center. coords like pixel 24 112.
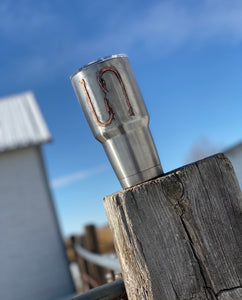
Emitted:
pixel 21 122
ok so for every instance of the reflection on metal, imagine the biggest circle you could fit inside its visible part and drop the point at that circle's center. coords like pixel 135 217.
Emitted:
pixel 103 85
pixel 109 291
pixel 100 260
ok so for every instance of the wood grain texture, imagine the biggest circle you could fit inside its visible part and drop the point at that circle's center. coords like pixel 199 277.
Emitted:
pixel 179 236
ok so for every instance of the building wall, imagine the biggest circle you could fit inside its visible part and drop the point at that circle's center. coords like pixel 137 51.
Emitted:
pixel 235 156
pixel 33 264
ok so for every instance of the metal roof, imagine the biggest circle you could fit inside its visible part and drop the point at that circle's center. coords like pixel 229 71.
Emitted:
pixel 21 122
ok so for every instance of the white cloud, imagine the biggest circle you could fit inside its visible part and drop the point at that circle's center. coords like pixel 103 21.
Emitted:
pixel 57 42
pixel 166 21
pixel 25 18
pixel 166 26
pixel 66 180
pixel 170 24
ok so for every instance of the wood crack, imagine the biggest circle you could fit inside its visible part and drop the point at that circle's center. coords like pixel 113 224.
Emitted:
pixel 175 292
pixel 228 290
pixel 194 251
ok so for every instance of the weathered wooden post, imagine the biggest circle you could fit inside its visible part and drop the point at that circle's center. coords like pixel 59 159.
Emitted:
pixel 177 236
pixel 180 236
pixel 82 266
pixel 91 244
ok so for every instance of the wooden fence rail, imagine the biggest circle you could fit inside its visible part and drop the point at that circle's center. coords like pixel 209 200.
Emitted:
pixel 99 260
pixel 93 267
pixel 110 291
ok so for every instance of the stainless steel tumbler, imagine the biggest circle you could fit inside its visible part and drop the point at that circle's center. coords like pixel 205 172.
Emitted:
pixel 115 110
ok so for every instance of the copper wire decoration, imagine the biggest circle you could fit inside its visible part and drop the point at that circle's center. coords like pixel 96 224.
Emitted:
pixel 102 84
pixel 108 107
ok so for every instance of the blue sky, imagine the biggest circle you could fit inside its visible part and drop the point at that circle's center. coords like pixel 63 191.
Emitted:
pixel 187 58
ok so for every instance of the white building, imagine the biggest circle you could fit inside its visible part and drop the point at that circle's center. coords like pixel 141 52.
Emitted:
pixel 234 154
pixel 33 264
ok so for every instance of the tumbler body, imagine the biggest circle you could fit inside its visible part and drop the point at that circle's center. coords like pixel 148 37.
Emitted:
pixel 113 105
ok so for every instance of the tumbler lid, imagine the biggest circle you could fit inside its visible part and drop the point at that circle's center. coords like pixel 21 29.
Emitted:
pixel 98 61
